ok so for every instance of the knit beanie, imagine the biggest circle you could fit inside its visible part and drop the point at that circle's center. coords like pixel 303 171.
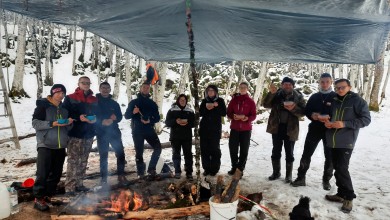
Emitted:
pixel 288 80
pixel 57 88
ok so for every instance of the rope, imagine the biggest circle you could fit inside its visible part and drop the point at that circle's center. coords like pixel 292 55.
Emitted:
pixel 268 212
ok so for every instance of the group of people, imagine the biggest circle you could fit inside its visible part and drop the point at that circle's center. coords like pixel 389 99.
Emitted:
pixel 336 117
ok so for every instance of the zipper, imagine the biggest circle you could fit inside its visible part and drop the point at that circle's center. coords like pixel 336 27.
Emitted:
pixel 339 115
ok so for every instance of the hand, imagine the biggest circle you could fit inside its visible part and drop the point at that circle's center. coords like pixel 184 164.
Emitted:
pixel 209 107
pixel 107 122
pixel 289 107
pixel 272 88
pixel 135 110
pixel 215 104
pixel 328 124
pixel 113 117
pixel 70 121
pixel 244 119
pixel 314 116
pixel 145 122
pixel 338 124
pixel 178 121
pixel 83 118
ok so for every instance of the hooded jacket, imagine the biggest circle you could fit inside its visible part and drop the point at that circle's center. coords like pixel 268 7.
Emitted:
pixel 211 122
pixel 107 107
pixel 78 104
pixel 177 131
pixel 354 112
pixel 241 105
pixel 275 102
pixel 44 115
pixel 149 110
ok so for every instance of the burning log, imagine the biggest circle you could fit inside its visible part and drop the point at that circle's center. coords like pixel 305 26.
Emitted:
pixel 230 191
pixel 203 209
pixel 77 217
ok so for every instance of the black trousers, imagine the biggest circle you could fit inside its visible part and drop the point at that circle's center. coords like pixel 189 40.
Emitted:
pixel 314 135
pixel 210 151
pixel 341 157
pixel 154 141
pixel 49 170
pixel 278 140
pixel 239 141
pixel 186 145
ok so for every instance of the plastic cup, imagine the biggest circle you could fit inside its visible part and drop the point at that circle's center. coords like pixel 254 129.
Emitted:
pixel 62 121
pixel 209 104
pixel 184 120
pixel 28 183
pixel 288 103
pixel 90 117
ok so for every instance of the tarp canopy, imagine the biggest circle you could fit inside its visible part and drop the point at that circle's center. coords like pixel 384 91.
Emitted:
pixel 335 31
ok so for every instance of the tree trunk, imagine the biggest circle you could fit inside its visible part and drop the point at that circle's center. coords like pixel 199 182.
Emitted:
pixel 353 77
pixel 7 45
pixel 230 80
pixel 241 76
pixel 95 53
pixel 374 104
pixel 82 55
pixel 183 79
pixel 370 71
pixel 142 67
pixel 158 91
pixel 383 95
pixel 128 76
pixel 17 89
pixel 260 84
pixel 48 61
pixel 38 71
pixel 74 52
pixel 118 73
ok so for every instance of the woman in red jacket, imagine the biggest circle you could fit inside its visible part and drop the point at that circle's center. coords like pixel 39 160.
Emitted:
pixel 241 111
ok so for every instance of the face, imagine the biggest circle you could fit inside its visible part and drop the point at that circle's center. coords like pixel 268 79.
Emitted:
pixel 287 87
pixel 145 89
pixel 182 101
pixel 84 84
pixel 243 89
pixel 342 88
pixel 105 90
pixel 325 83
pixel 210 92
pixel 58 96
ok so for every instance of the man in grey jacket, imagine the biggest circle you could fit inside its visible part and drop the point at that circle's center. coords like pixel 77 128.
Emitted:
pixel 51 122
pixel 349 113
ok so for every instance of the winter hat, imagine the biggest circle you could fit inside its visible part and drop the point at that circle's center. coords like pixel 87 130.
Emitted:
pixel 288 80
pixel 213 87
pixel 57 88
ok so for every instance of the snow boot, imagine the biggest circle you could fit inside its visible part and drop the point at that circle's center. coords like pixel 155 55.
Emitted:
pixel 299 181
pixel 289 168
pixel 276 170
pixel 347 206
pixel 334 198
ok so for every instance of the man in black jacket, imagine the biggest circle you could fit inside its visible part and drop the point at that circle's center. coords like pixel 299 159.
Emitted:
pixel 349 113
pixel 319 104
pixel 107 132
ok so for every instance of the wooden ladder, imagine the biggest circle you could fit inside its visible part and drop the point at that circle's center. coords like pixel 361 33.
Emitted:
pixel 8 112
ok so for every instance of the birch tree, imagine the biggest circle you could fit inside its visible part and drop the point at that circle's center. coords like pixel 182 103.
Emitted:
pixel 229 81
pixel 260 84
pixel 17 89
pixel 128 76
pixel 159 90
pixel 118 72
pixel 49 61
pixel 84 40
pixel 183 79
pixel 74 51
pixel 378 75
pixel 368 76
pixel 353 77
pixel 241 76
pixel 95 53
pixel 383 95
pixel 38 70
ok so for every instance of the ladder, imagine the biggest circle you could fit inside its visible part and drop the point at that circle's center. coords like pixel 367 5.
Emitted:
pixel 8 112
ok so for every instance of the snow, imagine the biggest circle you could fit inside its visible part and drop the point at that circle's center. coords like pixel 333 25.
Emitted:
pixel 369 164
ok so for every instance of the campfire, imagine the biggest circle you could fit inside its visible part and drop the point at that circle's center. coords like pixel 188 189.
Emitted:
pixel 124 201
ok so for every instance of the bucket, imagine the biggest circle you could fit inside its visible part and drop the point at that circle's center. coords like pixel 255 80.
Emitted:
pixel 219 211
pixel 5 207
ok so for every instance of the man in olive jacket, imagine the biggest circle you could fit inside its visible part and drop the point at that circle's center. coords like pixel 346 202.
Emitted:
pixel 349 113
pixel 287 105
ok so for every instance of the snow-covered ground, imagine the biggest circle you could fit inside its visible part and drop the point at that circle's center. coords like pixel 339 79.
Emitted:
pixel 369 164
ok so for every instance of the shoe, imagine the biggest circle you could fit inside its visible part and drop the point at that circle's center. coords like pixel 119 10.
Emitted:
pixel 347 206
pixel 189 177
pixel 231 171
pixel 177 175
pixel 40 204
pixel 334 198
pixel 276 170
pixel 82 189
pixel 299 181
pixel 122 181
pixel 326 185
pixel 274 176
pixel 153 176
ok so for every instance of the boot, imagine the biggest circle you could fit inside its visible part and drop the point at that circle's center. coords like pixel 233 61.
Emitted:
pixel 122 181
pixel 276 170
pixel 289 168
pixel 347 206
pixel 334 198
pixel 40 204
pixel 326 184
pixel 299 181
pixel 328 173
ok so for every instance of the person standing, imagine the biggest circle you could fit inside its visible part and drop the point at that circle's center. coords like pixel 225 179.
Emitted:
pixel 181 119
pixel 287 105
pixel 349 113
pixel 51 123
pixel 242 111
pixel 82 106
pixel 319 104
pixel 107 132
pixel 212 109
pixel 143 113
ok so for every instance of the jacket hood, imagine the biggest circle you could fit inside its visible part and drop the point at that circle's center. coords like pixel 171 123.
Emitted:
pixel 43 102
pixel 215 88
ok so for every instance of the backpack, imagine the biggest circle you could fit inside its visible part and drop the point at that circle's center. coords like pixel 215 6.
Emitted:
pixel 152 76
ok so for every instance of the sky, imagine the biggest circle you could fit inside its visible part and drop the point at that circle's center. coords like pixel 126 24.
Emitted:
pixel 369 163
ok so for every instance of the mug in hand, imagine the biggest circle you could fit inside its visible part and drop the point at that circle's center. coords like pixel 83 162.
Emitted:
pixel 183 120
pixel 62 121
pixel 288 103
pixel 90 117
pixel 209 105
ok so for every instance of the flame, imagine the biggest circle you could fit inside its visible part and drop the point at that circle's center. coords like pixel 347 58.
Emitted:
pixel 125 201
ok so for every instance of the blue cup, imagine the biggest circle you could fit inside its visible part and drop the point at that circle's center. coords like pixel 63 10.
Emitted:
pixel 62 121
pixel 90 117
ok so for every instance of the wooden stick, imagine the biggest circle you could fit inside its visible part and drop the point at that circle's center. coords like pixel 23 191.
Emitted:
pixel 151 213
pixel 26 162
pixel 76 217
pixel 232 186
pixel 218 189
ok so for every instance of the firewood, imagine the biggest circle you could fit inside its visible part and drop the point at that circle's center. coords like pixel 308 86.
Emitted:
pixel 218 189
pixel 228 194
pixel 76 217
pixel 26 162
pixel 236 194
pixel 151 213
